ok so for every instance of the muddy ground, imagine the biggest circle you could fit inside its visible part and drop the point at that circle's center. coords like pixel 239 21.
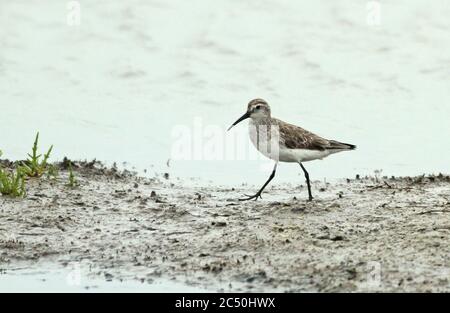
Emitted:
pixel 361 234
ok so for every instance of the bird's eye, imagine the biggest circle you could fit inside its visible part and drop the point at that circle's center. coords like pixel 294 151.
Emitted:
pixel 258 107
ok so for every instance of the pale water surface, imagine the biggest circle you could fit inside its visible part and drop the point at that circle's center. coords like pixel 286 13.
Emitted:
pixel 115 87
pixel 49 279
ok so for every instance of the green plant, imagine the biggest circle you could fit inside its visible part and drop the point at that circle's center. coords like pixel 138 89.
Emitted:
pixel 12 184
pixel 72 179
pixel 52 171
pixel 33 167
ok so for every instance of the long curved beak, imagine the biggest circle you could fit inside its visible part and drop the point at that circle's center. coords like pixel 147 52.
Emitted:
pixel 243 117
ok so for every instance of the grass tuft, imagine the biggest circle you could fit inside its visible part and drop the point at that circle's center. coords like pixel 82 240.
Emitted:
pixel 12 183
pixel 33 166
pixel 52 172
pixel 72 179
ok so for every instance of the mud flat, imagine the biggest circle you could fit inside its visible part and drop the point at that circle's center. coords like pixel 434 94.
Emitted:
pixel 365 234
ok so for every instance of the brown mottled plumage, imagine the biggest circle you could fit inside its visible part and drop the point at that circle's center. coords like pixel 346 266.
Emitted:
pixel 295 137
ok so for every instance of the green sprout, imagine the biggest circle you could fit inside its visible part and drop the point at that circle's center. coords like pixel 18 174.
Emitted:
pixel 12 184
pixel 33 167
pixel 52 172
pixel 72 180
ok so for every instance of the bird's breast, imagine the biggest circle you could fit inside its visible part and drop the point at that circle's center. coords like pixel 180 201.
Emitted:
pixel 266 139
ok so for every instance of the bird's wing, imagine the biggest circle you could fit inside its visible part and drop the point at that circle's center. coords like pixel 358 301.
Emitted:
pixel 294 137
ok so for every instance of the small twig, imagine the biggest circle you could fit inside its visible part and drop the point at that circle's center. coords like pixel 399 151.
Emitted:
pixel 178 233
pixel 433 211
pixel 374 187
pixel 379 186
pixel 386 183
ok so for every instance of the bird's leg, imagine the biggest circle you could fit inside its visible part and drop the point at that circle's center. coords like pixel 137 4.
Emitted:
pixel 307 181
pixel 258 194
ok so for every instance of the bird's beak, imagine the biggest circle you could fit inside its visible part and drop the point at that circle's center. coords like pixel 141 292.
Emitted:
pixel 243 117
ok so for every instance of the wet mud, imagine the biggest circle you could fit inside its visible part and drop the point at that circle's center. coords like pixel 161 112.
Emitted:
pixel 362 234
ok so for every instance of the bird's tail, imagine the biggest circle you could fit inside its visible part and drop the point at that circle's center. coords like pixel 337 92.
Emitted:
pixel 341 146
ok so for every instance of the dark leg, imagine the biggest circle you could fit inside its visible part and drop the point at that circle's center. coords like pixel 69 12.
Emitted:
pixel 258 194
pixel 307 181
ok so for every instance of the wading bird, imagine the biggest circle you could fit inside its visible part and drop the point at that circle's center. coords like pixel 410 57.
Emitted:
pixel 283 142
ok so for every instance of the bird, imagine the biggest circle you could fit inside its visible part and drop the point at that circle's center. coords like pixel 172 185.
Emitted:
pixel 284 142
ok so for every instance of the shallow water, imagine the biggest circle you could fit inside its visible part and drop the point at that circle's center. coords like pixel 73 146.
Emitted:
pixel 48 279
pixel 117 86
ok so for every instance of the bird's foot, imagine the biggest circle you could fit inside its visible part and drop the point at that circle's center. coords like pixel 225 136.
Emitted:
pixel 255 197
pixel 310 198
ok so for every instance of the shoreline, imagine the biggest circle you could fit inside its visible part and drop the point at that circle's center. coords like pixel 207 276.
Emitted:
pixel 366 234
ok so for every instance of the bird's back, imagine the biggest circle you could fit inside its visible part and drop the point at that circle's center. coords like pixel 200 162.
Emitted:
pixel 295 137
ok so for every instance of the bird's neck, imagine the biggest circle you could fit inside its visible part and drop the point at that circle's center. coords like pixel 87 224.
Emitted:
pixel 264 120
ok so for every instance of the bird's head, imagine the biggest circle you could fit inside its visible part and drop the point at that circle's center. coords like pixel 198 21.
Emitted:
pixel 256 109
